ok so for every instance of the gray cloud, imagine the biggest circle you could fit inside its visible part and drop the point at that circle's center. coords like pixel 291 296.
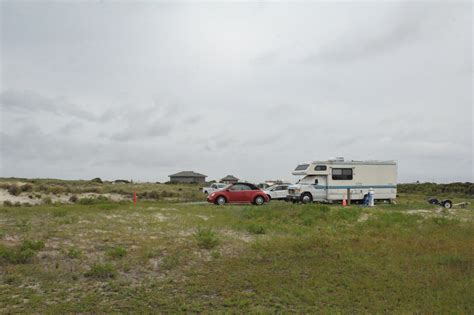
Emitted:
pixel 31 102
pixel 88 94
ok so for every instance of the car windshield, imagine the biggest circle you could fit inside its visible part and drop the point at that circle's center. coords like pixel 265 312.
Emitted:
pixel 227 186
pixel 270 187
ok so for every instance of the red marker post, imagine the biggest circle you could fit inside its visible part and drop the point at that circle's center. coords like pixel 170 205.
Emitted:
pixel 134 199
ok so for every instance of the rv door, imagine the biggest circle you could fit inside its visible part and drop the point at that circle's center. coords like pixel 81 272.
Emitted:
pixel 321 188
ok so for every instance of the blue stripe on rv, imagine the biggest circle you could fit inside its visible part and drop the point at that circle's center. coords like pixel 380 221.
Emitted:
pixel 354 187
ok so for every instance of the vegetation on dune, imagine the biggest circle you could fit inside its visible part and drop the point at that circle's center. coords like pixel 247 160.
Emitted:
pixel 170 256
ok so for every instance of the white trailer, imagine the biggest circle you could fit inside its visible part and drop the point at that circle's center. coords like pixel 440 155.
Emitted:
pixel 336 179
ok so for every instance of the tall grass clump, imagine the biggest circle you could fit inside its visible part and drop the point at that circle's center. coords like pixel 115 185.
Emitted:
pixel 21 254
pixel 116 252
pixel 101 271
pixel 206 238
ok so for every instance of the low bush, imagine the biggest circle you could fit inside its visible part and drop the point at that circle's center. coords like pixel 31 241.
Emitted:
pixel 206 238
pixel 74 253
pixel 73 199
pixel 26 188
pixel 33 245
pixel 101 271
pixel 7 203
pixel 14 190
pixel 255 229
pixel 169 262
pixel 47 200
pixel 21 254
pixel 102 198
pixel 116 252
pixel 96 180
pixel 57 190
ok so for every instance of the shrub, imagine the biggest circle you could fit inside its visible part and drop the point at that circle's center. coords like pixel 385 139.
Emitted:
pixel 73 198
pixel 170 262
pixel 17 204
pixel 256 229
pixel 8 203
pixel 22 254
pixel 102 198
pixel 47 200
pixel 74 253
pixel 116 252
pixel 206 238
pixel 33 245
pixel 101 271
pixel 95 190
pixel 57 190
pixel 96 180
pixel 14 190
pixel 153 195
pixel 26 187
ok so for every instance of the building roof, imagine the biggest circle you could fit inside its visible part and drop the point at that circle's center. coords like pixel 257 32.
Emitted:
pixel 229 177
pixel 187 174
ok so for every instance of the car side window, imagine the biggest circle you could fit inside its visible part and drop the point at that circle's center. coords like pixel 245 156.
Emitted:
pixel 245 187
pixel 235 188
pixel 240 187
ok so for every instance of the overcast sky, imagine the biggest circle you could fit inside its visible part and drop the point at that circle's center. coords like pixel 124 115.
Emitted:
pixel 141 91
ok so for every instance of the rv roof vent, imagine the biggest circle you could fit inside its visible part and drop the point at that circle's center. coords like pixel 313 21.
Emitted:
pixel 337 159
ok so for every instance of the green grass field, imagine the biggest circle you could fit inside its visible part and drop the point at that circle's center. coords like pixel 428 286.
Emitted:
pixel 173 256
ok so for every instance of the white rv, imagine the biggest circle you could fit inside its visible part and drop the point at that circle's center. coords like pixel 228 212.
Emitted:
pixel 335 180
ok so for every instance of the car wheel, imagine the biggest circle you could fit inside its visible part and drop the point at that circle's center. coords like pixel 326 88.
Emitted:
pixel 306 198
pixel 447 204
pixel 259 200
pixel 221 201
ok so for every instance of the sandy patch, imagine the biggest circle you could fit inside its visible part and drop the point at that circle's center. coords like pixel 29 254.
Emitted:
pixel 160 217
pixel 205 218
pixel 363 217
pixel 238 235
pixel 168 209
pixel 21 198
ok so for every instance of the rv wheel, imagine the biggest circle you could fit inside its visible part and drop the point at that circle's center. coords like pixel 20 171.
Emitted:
pixel 306 198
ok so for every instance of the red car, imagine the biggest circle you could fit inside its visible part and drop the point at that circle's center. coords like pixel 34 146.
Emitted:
pixel 238 193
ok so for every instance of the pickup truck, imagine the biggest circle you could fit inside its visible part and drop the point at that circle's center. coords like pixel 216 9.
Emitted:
pixel 214 187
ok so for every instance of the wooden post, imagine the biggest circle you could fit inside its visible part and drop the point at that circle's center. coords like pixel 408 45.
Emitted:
pixel 348 196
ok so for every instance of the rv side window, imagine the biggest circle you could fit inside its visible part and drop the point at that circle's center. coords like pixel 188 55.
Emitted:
pixel 342 173
pixel 301 167
pixel 320 168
